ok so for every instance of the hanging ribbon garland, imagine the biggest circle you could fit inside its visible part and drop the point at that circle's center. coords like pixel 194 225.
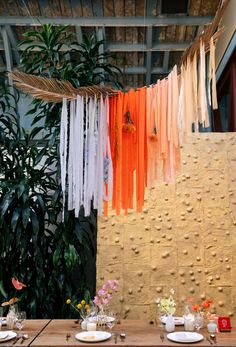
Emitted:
pixel 113 144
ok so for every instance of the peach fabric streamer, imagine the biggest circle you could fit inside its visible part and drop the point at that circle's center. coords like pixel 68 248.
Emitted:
pixel 202 101
pixel 212 77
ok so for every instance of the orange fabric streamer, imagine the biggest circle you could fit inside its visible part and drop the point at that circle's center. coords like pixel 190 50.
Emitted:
pixel 141 148
pixel 115 114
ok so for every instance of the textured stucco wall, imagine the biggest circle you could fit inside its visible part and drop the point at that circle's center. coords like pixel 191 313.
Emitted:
pixel 185 238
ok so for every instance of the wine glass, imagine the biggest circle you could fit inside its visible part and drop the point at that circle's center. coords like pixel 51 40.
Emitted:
pixel 20 320
pixel 161 317
pixel 111 320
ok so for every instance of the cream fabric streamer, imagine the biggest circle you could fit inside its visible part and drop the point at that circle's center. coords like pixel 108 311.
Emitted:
pixel 194 86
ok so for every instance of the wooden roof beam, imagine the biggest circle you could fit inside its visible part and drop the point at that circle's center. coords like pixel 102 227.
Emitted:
pixel 127 47
pixel 141 70
pixel 7 51
pixel 139 47
pixel 107 21
pixel 14 43
pixel 166 62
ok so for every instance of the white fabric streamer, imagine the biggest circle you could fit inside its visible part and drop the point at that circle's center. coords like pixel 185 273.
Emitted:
pixel 63 149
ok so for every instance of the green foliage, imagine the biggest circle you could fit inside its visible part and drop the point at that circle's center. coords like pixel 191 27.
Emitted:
pixel 46 53
pixel 55 259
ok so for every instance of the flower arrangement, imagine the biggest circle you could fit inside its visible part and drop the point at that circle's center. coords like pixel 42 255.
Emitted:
pixel 102 299
pixel 167 305
pixel 83 307
pixel 18 286
pixel 201 308
pixel 104 295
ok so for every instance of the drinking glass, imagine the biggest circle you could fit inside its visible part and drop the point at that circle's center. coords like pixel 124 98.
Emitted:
pixel 111 320
pixel 20 320
pixel 198 322
pixel 160 316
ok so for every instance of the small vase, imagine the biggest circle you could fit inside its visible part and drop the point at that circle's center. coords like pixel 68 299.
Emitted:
pixel 11 316
pixel 199 321
pixel 84 324
pixel 170 324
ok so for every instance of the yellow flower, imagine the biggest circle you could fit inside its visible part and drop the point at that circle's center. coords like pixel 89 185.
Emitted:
pixel 79 306
pixel 68 301
pixel 83 302
pixel 87 307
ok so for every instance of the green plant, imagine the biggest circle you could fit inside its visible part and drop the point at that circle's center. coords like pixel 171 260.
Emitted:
pixel 55 259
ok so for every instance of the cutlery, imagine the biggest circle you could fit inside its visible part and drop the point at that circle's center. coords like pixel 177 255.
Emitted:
pixel 18 337
pixel 213 338
pixel 24 337
pixel 162 337
pixel 115 338
pixel 68 335
pixel 209 340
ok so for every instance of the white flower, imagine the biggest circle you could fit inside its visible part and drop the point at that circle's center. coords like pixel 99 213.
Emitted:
pixel 167 305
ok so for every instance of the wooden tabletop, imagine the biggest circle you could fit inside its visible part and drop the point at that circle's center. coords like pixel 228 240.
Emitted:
pixel 32 328
pixel 138 333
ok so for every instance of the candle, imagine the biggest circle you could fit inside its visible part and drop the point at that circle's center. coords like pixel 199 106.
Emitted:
pixel 91 326
pixel 189 322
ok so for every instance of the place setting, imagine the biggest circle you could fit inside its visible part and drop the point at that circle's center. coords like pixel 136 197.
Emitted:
pixel 194 318
pixel 95 315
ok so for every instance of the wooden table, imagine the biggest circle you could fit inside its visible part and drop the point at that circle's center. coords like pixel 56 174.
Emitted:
pixel 33 328
pixel 138 333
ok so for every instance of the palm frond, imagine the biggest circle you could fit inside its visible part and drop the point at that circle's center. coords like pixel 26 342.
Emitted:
pixel 53 90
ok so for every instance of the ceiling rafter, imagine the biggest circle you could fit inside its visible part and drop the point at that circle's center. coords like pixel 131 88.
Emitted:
pixel 139 47
pixel 141 70
pixel 7 50
pixel 79 34
pixel 107 21
pixel 13 40
pixel 127 47
pixel 166 62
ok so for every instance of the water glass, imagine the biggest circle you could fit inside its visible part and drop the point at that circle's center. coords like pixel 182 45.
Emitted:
pixel 20 320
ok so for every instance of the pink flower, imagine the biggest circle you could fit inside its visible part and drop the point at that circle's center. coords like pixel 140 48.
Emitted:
pixel 104 295
pixel 109 296
pixel 105 301
pixel 96 300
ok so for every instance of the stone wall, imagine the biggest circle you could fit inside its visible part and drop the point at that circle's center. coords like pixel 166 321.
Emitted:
pixel 185 238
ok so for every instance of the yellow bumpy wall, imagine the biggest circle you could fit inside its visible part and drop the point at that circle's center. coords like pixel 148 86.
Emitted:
pixel 185 238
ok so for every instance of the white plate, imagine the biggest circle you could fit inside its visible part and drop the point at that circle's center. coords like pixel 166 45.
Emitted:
pixel 93 336
pixel 7 335
pixel 185 337
pixel 177 320
pixel 102 318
